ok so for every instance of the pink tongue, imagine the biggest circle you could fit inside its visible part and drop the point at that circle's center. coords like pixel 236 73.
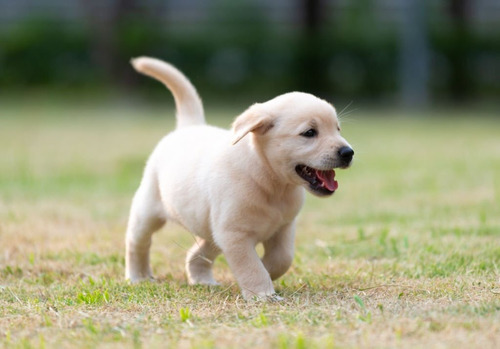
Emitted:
pixel 328 179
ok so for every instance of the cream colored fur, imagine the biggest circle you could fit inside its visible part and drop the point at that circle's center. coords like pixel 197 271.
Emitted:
pixel 232 189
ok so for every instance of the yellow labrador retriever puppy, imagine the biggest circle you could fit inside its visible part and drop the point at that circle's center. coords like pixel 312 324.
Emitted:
pixel 234 189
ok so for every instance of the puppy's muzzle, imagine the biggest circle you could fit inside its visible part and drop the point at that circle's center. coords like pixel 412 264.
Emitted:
pixel 345 156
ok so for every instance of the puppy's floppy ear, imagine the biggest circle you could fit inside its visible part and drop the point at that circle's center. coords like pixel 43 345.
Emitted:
pixel 254 119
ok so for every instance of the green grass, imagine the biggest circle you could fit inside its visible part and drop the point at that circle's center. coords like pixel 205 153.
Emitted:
pixel 406 254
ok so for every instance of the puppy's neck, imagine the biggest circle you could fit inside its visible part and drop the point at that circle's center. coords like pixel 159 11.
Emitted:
pixel 262 172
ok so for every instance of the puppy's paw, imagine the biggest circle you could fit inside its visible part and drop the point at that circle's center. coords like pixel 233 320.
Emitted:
pixel 136 280
pixel 202 280
pixel 275 298
pixel 270 298
pixel 211 283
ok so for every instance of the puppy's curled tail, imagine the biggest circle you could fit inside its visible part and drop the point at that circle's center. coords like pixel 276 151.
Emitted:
pixel 187 102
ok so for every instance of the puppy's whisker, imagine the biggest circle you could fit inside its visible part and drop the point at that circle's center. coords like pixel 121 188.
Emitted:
pixel 342 111
pixel 347 120
pixel 343 116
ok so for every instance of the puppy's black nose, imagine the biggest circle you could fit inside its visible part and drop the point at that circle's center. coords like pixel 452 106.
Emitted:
pixel 346 154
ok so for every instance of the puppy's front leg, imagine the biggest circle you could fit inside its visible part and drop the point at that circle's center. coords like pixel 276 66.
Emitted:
pixel 279 250
pixel 252 276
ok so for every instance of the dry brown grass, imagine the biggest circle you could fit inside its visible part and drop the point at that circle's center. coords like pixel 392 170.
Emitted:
pixel 406 254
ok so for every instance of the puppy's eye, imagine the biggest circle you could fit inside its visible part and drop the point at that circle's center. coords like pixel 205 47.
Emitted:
pixel 310 133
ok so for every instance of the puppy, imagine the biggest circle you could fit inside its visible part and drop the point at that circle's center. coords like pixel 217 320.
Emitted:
pixel 234 189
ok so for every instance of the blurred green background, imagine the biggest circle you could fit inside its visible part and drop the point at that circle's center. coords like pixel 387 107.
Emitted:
pixel 412 232
pixel 406 53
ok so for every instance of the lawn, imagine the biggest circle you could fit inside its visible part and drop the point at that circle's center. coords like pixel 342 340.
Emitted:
pixel 405 254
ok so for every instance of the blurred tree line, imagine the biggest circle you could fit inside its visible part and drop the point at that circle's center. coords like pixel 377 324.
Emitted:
pixel 241 52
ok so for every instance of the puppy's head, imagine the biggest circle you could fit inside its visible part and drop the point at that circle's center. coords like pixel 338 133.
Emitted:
pixel 299 137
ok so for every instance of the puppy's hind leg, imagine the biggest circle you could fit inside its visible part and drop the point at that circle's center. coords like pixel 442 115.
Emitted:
pixel 146 216
pixel 199 262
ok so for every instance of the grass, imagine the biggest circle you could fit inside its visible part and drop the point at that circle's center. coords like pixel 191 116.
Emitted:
pixel 406 254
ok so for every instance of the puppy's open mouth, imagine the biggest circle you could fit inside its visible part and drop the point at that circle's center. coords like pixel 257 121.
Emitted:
pixel 321 182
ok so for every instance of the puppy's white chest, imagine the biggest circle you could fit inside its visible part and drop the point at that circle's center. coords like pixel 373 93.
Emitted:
pixel 271 218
